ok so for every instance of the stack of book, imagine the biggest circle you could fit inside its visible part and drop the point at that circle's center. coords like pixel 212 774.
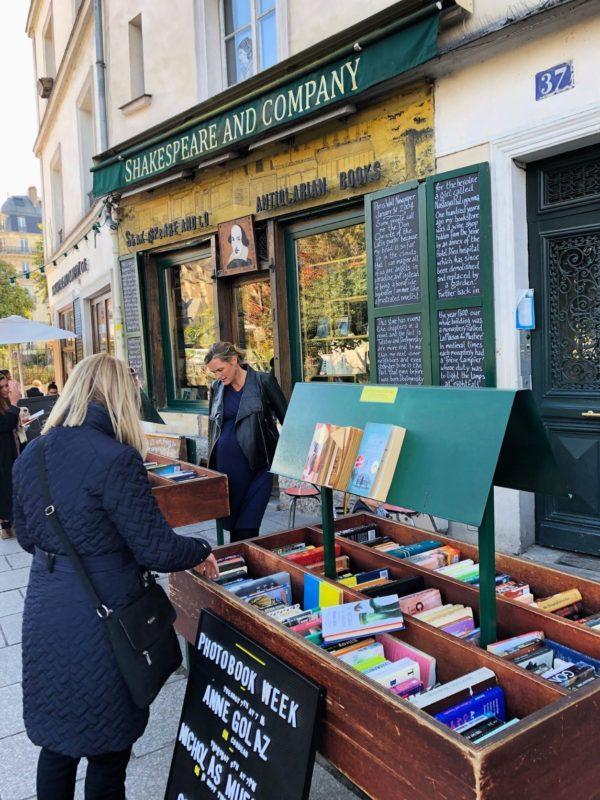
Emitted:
pixel 593 621
pixel 554 662
pixel 172 472
pixel 446 559
pixel 425 604
pixel 472 705
pixel 348 459
pixel 355 634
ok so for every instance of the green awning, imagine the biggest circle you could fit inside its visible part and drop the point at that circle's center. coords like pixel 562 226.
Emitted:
pixel 341 81
pixel 459 443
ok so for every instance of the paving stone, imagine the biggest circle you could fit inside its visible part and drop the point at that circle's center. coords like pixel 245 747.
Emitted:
pixel 164 719
pixel 11 703
pixel 4 565
pixel 328 783
pixel 8 546
pixel 14 579
pixel 10 666
pixel 17 560
pixel 11 627
pixel 147 776
pixel 18 762
pixel 11 603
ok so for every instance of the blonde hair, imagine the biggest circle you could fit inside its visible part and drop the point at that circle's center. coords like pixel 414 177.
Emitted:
pixel 225 351
pixel 105 380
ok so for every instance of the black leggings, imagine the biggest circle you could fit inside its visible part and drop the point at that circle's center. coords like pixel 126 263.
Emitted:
pixel 104 779
pixel 243 533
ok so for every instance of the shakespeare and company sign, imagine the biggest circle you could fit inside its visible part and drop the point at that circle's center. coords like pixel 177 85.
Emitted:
pixel 341 80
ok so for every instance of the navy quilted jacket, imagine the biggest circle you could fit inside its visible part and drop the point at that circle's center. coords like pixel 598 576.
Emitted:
pixel 75 701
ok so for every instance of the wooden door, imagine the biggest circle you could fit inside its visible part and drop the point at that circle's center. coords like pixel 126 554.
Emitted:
pixel 564 242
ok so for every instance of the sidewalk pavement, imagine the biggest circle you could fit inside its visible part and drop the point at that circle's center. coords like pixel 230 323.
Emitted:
pixel 149 766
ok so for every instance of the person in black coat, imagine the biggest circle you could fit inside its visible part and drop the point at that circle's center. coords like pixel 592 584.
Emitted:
pixel 75 701
pixel 10 418
pixel 242 435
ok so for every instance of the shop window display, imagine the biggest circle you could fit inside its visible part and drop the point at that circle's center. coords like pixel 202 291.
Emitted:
pixel 254 322
pixel 332 284
pixel 192 329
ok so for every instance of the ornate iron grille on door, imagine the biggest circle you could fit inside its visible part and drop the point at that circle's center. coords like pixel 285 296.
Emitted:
pixel 574 289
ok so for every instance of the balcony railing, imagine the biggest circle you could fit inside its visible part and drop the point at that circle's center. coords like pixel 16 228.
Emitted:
pixel 14 250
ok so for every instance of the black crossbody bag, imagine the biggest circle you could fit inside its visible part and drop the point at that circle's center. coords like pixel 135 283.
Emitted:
pixel 141 635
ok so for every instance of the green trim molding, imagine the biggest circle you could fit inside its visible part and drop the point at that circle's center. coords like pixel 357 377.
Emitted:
pixel 342 80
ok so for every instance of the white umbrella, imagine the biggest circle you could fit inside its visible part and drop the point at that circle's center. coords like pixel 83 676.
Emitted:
pixel 17 330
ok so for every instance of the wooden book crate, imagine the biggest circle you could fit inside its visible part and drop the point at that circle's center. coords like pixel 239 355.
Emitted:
pixel 388 747
pixel 196 500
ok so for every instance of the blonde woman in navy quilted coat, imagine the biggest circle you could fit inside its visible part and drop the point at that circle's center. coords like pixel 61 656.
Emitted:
pixel 75 701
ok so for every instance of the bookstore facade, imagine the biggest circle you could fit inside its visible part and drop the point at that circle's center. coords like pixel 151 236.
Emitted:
pixel 329 250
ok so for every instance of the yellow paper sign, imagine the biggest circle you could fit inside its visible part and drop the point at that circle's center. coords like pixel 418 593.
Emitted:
pixel 379 394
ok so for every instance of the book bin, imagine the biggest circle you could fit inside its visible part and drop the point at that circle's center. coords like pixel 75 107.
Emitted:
pixel 459 443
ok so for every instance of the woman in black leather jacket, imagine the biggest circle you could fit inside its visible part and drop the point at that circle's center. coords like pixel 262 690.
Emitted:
pixel 242 435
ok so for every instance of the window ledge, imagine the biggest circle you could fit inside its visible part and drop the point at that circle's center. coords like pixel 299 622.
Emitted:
pixel 136 104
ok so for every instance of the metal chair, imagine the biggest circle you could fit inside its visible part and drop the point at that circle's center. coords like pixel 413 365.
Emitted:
pixel 299 493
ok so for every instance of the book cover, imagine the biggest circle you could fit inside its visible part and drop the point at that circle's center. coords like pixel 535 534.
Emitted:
pixel 499 729
pixel 320 453
pixel 369 651
pixel 406 688
pixel 450 555
pixel 408 550
pixel 264 584
pixel 346 442
pixel 314 556
pixel 401 587
pixel 490 701
pixel 361 534
pixel 559 600
pixel 376 461
pixel 421 601
pixel 450 693
pixel 459 628
pixel 391 673
pixel 342 563
pixel 319 593
pixel 362 618
pixel 504 646
pixel 395 649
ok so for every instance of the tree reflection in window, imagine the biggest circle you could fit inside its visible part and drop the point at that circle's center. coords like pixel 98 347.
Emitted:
pixel 332 281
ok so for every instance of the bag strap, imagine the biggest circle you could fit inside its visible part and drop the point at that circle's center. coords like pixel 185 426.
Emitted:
pixel 50 512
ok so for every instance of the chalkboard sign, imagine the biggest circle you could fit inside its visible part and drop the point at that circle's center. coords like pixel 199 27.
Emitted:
pixel 457 236
pixel 129 282
pixel 135 355
pixel 78 329
pixel 247 725
pixel 399 349
pixel 395 253
pixel 462 357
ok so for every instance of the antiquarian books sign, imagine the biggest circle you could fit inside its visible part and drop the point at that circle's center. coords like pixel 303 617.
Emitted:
pixel 339 81
pixel 247 724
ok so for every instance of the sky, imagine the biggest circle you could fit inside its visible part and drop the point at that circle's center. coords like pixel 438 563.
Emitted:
pixel 19 168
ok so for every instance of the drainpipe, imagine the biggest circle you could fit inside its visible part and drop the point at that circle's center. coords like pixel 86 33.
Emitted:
pixel 100 75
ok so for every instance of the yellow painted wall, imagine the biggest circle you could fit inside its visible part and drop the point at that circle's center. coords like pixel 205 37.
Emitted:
pixel 397 131
pixel 11 253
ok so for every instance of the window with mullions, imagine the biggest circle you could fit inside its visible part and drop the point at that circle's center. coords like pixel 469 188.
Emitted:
pixel 250 37
pixel 189 320
pixel 332 295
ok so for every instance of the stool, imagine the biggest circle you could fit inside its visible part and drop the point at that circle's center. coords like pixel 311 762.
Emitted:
pixel 298 493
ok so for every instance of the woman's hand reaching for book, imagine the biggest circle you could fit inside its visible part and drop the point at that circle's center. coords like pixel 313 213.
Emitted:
pixel 209 568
